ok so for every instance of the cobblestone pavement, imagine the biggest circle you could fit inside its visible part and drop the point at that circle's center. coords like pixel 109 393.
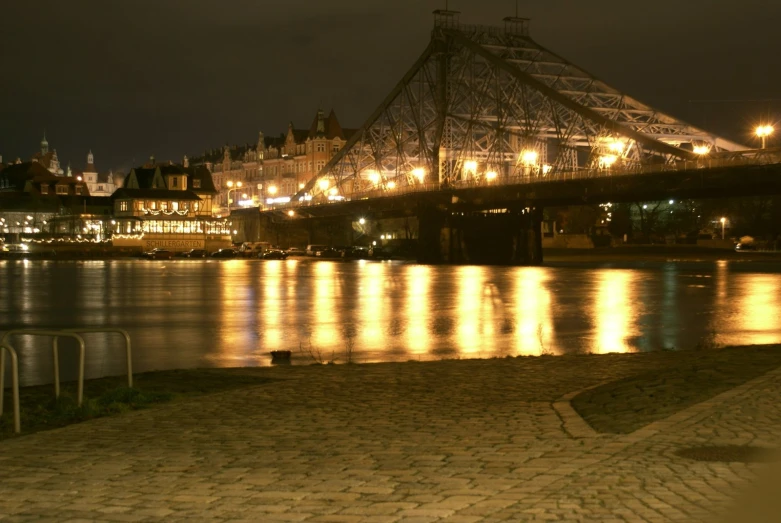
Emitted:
pixel 461 441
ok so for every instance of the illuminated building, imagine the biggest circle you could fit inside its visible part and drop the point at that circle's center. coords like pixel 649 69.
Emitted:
pixel 168 206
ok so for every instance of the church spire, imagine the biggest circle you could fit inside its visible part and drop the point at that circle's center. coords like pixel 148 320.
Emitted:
pixel 44 144
pixel 90 158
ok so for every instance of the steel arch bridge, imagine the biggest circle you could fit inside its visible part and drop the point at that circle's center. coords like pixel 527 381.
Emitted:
pixel 486 106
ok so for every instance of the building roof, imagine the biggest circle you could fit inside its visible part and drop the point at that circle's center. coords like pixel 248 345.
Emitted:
pixel 156 194
pixel 330 126
pixel 16 176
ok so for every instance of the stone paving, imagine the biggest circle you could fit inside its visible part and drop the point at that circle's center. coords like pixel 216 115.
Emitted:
pixel 459 441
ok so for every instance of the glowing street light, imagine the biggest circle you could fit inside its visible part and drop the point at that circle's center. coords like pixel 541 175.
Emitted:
pixel 491 175
pixel 763 131
pixel 470 167
pixel 607 160
pixel 701 150
pixel 272 189
pixel 291 213
pixel 323 184
pixel 362 221
pixel 374 177
pixel 723 222
pixel 419 173
pixel 391 184
pixel 529 157
pixel 334 191
pixel 232 187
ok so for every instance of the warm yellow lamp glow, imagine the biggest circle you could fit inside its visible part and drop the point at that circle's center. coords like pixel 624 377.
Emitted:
pixel 470 167
pixel 323 184
pixel 529 157
pixel 419 173
pixel 491 175
pixel 702 150
pixel 272 189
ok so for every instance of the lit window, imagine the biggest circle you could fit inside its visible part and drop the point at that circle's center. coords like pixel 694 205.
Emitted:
pixel 321 147
pixel 44 188
pixel 100 187
pixel 123 206
pixel 196 184
pixel 174 182
pixel 62 189
pixel 77 189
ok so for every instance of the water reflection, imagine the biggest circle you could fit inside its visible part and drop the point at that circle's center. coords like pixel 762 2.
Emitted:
pixel 614 310
pixel 533 317
pixel 209 313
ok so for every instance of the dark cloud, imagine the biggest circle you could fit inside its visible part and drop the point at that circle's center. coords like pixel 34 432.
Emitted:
pixel 169 77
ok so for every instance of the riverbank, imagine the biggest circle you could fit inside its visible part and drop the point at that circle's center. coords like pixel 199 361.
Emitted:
pixel 636 389
pixel 463 440
pixel 656 253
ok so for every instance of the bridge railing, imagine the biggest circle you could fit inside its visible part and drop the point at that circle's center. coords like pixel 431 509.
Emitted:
pixel 535 175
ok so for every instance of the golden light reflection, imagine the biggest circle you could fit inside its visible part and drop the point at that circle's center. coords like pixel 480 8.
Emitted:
pixel 418 309
pixel 371 310
pixel 469 316
pixel 614 311
pixel 324 334
pixel 533 317
pixel 758 309
pixel 236 340
pixel 270 312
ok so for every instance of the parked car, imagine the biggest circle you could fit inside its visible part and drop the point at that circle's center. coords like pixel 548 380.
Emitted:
pixel 295 251
pixel 158 254
pixel 195 253
pixel 225 253
pixel 378 253
pixel 273 254
pixel 355 253
pixel 329 252
pixel 312 250
pixel 253 249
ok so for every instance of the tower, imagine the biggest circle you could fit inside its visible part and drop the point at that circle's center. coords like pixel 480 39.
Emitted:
pixel 44 144
pixel 90 158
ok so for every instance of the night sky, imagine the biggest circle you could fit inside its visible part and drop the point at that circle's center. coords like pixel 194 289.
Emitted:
pixel 129 79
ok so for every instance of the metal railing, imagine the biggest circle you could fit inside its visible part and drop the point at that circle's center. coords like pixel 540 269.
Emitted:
pixel 55 353
pixel 14 383
pixel 535 176
pixel 124 334
pixel 56 335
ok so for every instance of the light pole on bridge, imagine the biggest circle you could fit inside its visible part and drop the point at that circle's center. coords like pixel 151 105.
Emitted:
pixel 763 131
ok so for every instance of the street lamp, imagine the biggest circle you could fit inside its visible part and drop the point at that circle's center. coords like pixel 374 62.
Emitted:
pixel 723 222
pixel 763 131
pixel 231 187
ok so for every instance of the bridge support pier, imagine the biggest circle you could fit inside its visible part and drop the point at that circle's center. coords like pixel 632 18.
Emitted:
pixel 512 237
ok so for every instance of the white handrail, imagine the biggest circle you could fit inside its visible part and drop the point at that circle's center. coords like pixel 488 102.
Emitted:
pixel 14 383
pixel 128 352
pixel 56 334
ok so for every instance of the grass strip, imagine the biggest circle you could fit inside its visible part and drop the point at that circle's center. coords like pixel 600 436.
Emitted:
pixel 625 405
pixel 110 396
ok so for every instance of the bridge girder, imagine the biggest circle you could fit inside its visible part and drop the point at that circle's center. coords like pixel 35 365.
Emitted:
pixel 482 103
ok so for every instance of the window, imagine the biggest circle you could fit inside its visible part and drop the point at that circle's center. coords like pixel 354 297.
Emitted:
pixel 138 205
pixel 309 147
pixel 174 182
pixel 174 206
pixel 320 165
pixel 152 205
pixel 163 206
pixel 321 147
pixel 123 206
pixel 335 148
pixel 62 189
pixel 44 188
pixel 77 189
pixel 196 184
pixel 100 187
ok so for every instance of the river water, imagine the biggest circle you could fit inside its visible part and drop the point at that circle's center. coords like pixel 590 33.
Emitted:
pixel 210 313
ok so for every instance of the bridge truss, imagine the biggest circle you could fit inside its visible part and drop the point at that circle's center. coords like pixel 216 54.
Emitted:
pixel 488 105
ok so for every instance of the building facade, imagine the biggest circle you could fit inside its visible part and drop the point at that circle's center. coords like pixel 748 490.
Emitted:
pixel 97 183
pixel 275 168
pixel 170 207
pixel 48 158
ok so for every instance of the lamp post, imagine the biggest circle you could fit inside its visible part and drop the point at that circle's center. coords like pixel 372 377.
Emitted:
pixel 231 187
pixel 723 222
pixel 763 131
